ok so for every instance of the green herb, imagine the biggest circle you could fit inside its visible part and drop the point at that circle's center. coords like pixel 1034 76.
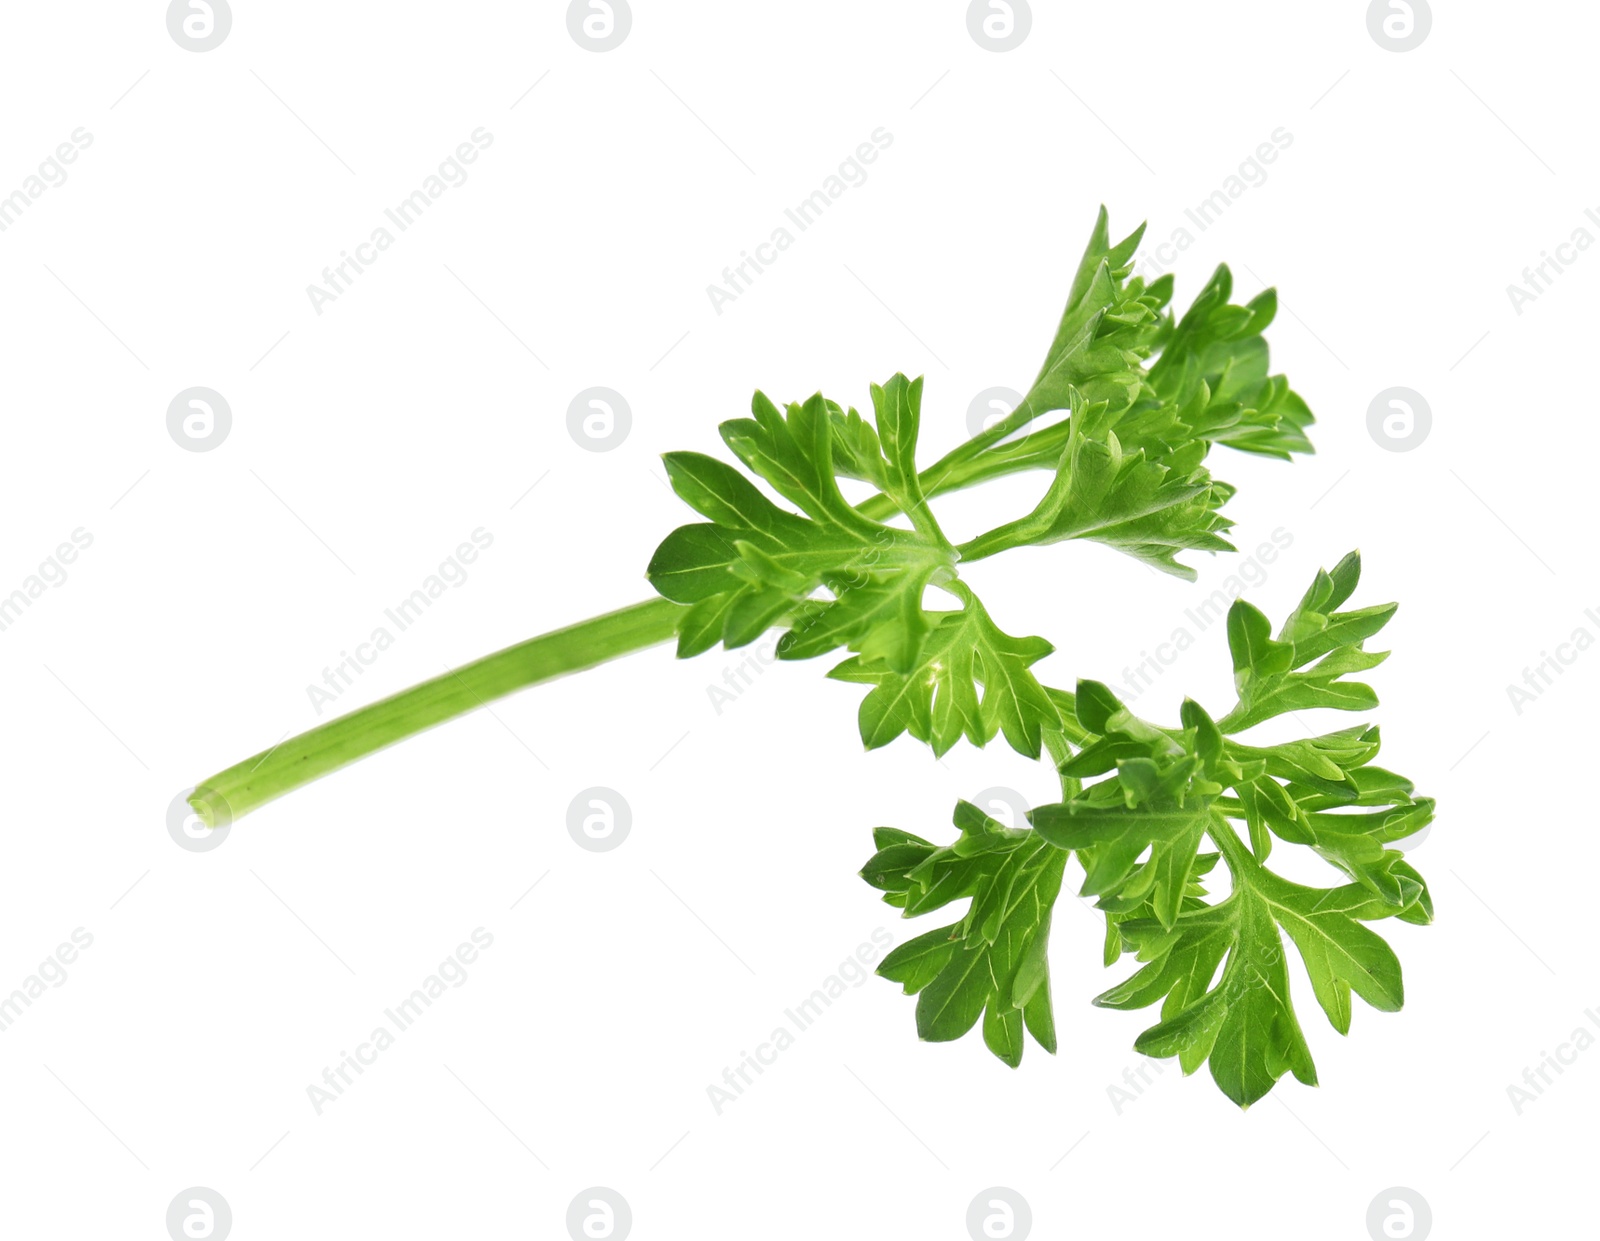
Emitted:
pixel 1146 394
pixel 1138 833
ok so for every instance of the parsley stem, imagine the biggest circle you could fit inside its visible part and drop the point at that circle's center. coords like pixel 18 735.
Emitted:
pixel 1232 848
pixel 971 462
pixel 233 793
pixel 1001 538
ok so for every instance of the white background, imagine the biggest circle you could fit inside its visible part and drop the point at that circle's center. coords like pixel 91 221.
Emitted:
pixel 369 440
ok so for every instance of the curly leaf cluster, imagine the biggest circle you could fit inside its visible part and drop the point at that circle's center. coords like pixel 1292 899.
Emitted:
pixel 1140 801
pixel 1149 812
pixel 1128 464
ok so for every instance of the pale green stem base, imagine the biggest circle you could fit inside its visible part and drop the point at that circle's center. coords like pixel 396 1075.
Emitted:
pixel 233 793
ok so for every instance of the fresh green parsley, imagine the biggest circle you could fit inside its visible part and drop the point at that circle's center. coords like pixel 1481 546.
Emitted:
pixel 1152 814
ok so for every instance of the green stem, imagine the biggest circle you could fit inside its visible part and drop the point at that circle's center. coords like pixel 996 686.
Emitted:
pixel 1002 538
pixel 970 463
pixel 233 793
pixel 1239 859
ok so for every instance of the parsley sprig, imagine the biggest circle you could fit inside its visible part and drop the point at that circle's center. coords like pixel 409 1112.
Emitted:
pixel 1148 812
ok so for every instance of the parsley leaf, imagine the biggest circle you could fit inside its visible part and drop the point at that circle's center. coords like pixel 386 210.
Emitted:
pixel 1129 472
pixel 938 675
pixel 937 700
pixel 991 964
pixel 755 565
pixel 1129 461
pixel 1267 672
pixel 1218 968
pixel 1245 1024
